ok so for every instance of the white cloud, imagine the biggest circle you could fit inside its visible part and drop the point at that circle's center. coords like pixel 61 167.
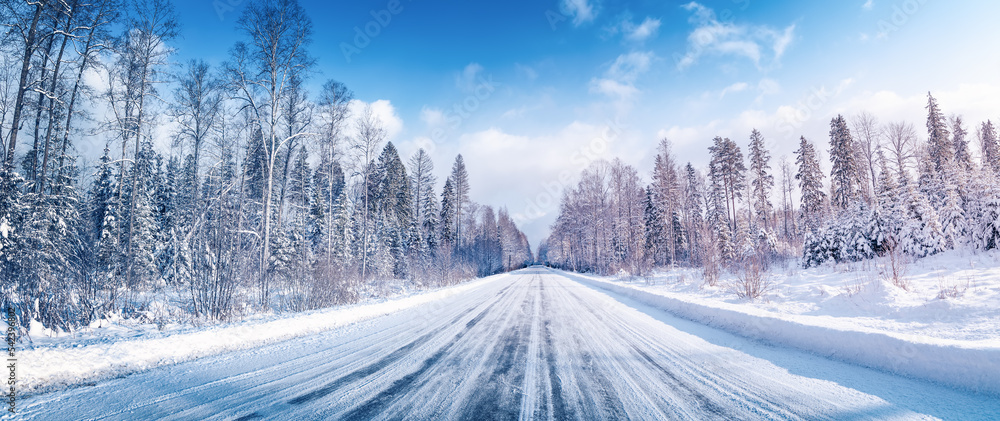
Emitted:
pixel 627 67
pixel 432 117
pixel 631 31
pixel 527 173
pixel 711 36
pixel 644 30
pixel 613 88
pixel 619 79
pixel 736 87
pixel 581 11
pixel 868 5
pixel 381 109
pixel 467 80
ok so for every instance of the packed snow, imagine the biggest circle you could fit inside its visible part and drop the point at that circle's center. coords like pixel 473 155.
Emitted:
pixel 944 326
pixel 532 344
pixel 112 348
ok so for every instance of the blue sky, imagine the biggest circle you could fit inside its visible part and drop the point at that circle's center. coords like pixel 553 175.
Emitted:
pixel 544 87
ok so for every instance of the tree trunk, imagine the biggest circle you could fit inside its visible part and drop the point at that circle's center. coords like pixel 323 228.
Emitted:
pixel 29 50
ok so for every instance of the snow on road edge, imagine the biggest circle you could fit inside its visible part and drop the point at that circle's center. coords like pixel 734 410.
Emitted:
pixel 46 369
pixel 971 365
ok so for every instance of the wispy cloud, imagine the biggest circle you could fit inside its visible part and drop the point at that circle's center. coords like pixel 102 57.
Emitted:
pixel 467 80
pixel 618 81
pixel 582 11
pixel 758 43
pixel 635 32
pixel 644 30
pixel 868 5
pixel 736 87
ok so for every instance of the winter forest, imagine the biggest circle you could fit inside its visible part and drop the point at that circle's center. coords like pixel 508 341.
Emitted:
pixel 261 201
pixel 890 193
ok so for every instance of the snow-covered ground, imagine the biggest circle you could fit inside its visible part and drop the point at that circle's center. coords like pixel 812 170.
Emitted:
pixel 944 326
pixel 532 344
pixel 114 348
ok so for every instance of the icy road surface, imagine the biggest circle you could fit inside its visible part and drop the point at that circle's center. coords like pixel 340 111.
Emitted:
pixel 530 345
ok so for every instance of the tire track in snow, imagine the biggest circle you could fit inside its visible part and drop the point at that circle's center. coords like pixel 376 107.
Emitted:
pixel 399 387
pixel 534 345
pixel 501 393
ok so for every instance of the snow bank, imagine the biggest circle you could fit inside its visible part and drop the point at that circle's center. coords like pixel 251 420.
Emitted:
pixel 45 368
pixel 972 365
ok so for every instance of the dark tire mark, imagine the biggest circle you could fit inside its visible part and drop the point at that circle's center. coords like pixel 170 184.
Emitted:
pixel 560 411
pixel 704 402
pixel 384 399
pixel 497 398
pixel 250 416
pixel 382 363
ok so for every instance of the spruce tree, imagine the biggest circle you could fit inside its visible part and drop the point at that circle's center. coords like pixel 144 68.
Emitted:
pixel 939 148
pixel 460 185
pixel 810 178
pixel 844 179
pixel 761 179
pixel 990 146
pixel 960 144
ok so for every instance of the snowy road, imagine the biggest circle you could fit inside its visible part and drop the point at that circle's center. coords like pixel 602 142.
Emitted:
pixel 532 345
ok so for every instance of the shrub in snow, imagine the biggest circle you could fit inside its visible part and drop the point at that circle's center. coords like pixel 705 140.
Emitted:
pixel 752 280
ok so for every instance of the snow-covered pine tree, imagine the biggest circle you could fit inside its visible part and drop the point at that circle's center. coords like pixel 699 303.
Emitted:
pixel 718 220
pixel 140 223
pixel 392 198
pixel 665 194
pixel 983 210
pixel 844 179
pixel 953 221
pixel 693 220
pixel 460 185
pixel 963 158
pixel 728 175
pixel 761 181
pixel 425 211
pixel 940 149
pixel 166 218
pixel 810 178
pixel 990 145
pixel 654 226
pixel 447 221
pixel 920 234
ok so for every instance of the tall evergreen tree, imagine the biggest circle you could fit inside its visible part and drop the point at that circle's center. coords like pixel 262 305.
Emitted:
pixel 844 179
pixel 810 178
pixel 963 158
pixel 728 175
pixel 460 183
pixel 448 214
pixel 990 144
pixel 424 202
pixel 939 147
pixel 761 180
